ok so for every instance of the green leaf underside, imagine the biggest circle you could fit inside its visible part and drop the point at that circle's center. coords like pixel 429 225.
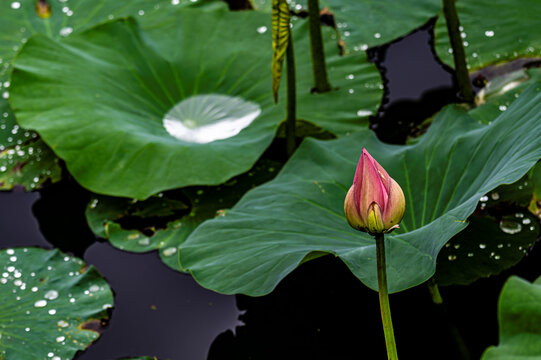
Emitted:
pixel 280 41
pixel 17 24
pixel 495 31
pixel 117 144
pixel 267 234
pixel 47 297
pixel 207 202
pixel 519 317
pixel 486 247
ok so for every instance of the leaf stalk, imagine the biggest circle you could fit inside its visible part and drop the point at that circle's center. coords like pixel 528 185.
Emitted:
pixel 291 104
pixel 459 55
pixel 319 68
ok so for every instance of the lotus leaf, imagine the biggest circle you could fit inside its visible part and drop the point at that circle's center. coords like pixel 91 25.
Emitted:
pixel 273 227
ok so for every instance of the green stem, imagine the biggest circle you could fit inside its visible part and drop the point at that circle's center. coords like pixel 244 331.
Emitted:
pixel 434 291
pixel 459 55
pixel 384 299
pixel 319 67
pixel 291 98
pixel 453 330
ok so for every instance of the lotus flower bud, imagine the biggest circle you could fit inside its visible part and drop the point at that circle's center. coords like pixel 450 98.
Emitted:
pixel 375 202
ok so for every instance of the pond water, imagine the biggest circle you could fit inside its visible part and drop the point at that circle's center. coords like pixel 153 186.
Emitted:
pixel 320 311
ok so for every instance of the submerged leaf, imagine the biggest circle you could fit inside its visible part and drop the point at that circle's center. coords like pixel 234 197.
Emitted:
pixel 163 222
pixel 48 300
pixel 269 232
pixel 280 41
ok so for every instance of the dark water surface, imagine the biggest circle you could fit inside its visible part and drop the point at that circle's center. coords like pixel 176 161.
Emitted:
pixel 158 311
pixel 320 311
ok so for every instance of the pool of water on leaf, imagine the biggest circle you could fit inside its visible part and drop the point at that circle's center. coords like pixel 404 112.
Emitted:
pixel 320 311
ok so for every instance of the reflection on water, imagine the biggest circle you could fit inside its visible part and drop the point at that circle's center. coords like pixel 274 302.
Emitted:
pixel 205 118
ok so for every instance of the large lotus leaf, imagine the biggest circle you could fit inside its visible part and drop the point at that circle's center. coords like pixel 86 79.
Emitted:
pixel 133 114
pixel 269 232
pixel 357 86
pixel 519 318
pixel 494 31
pixel 19 21
pixel 486 247
pixel 366 23
pixel 163 222
pixel 49 304
pixel 491 244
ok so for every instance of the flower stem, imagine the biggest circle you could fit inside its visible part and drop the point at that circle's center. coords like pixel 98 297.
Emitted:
pixel 291 98
pixel 384 299
pixel 321 81
pixel 459 55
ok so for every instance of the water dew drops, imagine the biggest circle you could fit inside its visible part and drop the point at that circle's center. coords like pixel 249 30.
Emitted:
pixel 65 31
pixel 362 112
pixel 52 311
pixel 60 339
pixel 489 33
pixel 262 29
pixel 482 246
pixel 206 118
pixel 144 241
pixel 62 323
pixel 15 5
pixel 510 226
pixel 51 295
pixel 40 303
pixel 169 251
